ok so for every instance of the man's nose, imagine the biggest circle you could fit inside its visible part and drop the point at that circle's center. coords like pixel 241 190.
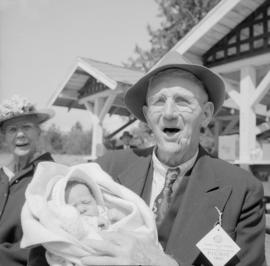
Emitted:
pixel 169 109
pixel 20 132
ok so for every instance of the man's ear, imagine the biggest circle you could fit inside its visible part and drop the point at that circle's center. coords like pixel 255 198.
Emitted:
pixel 208 113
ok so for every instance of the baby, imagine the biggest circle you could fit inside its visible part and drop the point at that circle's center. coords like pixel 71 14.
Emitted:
pixel 80 196
pixel 90 216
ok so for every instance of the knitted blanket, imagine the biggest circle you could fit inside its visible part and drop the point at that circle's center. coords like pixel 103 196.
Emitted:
pixel 45 214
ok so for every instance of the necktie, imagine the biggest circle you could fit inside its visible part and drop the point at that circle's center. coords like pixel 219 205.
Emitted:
pixel 163 200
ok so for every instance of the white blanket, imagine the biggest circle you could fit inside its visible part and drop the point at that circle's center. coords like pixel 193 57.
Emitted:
pixel 41 223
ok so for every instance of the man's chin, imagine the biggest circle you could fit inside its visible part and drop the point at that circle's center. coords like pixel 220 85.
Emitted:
pixel 171 148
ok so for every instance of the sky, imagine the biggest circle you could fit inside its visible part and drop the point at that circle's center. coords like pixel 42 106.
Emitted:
pixel 41 39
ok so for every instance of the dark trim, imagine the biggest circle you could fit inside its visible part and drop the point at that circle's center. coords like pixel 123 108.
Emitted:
pixel 243 41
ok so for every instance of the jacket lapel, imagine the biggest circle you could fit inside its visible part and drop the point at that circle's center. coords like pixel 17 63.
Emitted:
pixel 197 214
pixel 136 174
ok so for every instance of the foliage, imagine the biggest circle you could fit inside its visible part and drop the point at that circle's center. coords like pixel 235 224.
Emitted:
pixel 177 18
pixel 76 141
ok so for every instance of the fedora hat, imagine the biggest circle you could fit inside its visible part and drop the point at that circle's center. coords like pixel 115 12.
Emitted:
pixel 21 107
pixel 135 97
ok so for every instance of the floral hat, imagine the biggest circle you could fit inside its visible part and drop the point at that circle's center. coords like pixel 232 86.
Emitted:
pixel 18 106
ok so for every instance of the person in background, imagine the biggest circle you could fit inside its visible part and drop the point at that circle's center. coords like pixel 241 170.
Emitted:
pixel 20 124
pixel 126 140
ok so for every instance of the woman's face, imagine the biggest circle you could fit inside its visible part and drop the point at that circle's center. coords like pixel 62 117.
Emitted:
pixel 21 136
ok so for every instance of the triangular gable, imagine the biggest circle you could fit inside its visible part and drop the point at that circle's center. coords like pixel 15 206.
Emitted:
pixel 249 38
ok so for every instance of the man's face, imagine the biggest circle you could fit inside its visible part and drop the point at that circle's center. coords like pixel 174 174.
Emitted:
pixel 176 109
pixel 21 135
pixel 81 198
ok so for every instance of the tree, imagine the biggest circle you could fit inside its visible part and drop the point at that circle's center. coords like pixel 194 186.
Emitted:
pixel 78 141
pixel 178 17
pixel 52 140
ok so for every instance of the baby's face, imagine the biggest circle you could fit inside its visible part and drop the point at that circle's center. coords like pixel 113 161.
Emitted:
pixel 81 198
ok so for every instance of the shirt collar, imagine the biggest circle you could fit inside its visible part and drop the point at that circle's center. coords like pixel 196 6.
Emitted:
pixel 8 172
pixel 162 169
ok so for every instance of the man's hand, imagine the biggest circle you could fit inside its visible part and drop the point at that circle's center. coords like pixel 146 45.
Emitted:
pixel 126 248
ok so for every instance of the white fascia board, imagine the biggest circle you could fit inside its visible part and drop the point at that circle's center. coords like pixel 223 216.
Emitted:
pixel 97 74
pixel 206 24
pixel 258 60
pixel 59 90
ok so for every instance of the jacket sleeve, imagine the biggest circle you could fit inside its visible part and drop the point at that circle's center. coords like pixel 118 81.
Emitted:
pixel 37 257
pixel 250 231
pixel 12 254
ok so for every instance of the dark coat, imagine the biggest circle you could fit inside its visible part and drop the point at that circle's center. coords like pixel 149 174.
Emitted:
pixel 210 183
pixel 11 201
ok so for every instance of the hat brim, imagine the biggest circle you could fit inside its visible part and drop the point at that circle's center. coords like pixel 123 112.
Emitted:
pixel 214 85
pixel 40 116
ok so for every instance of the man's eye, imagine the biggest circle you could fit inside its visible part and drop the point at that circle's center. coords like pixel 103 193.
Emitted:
pixel 27 127
pixel 11 129
pixel 181 101
pixel 159 100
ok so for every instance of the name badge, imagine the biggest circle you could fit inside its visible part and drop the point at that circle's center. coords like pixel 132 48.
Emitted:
pixel 217 246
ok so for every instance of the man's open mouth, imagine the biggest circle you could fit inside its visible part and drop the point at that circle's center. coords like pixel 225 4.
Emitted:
pixel 171 130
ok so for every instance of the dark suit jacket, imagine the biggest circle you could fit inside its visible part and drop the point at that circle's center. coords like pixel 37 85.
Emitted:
pixel 210 183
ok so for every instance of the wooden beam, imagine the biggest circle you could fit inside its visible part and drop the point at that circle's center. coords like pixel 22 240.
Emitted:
pixel 227 117
pixel 95 96
pixel 262 128
pixel 261 90
pixel 89 106
pixel 121 128
pixel 230 126
pixel 98 105
pixel 247 139
pixel 234 95
pixel 259 109
pixel 106 107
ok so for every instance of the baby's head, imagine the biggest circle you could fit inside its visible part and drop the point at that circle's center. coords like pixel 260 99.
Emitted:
pixel 80 196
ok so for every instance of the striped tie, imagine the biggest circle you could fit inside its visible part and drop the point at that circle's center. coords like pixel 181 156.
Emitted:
pixel 163 200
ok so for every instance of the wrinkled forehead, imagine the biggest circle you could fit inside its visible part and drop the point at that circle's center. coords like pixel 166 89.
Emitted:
pixel 178 77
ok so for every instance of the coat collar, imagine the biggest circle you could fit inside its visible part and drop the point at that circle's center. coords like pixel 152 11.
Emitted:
pixel 203 194
pixel 46 156
pixel 134 177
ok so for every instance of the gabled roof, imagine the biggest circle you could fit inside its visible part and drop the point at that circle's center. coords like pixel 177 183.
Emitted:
pixel 117 73
pixel 214 26
pixel 89 77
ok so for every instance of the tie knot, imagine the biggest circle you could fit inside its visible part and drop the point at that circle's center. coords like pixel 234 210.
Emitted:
pixel 171 176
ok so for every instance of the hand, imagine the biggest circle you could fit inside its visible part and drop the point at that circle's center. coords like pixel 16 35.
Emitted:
pixel 126 248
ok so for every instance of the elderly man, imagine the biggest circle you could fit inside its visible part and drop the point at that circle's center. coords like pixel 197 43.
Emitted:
pixel 208 212
pixel 176 100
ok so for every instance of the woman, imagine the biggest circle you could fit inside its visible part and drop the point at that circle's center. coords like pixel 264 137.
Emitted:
pixel 20 125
